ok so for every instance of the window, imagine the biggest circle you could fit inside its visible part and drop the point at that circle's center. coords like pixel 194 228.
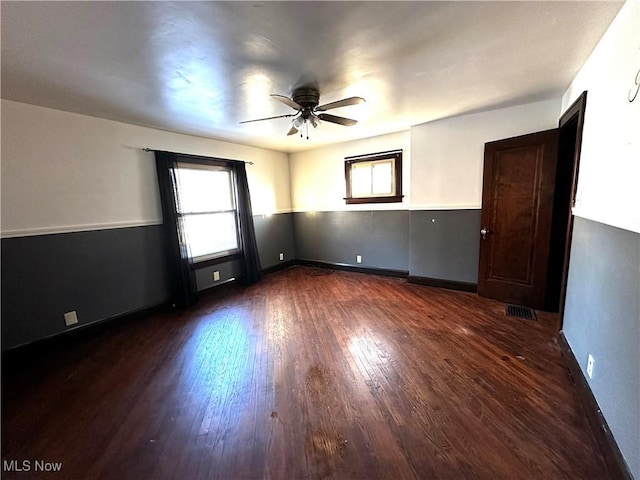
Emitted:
pixel 374 178
pixel 207 210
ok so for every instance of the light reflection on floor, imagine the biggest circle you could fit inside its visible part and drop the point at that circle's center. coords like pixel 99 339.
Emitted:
pixel 369 349
pixel 216 374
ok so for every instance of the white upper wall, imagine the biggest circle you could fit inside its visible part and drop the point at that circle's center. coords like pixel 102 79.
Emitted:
pixel 609 193
pixel 448 155
pixel 317 176
pixel 609 177
pixel 66 172
pixel 442 161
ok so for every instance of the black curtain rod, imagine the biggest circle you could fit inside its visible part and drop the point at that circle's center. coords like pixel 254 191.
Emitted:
pixel 390 152
pixel 147 149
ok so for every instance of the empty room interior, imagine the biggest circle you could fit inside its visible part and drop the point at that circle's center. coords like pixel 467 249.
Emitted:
pixel 308 240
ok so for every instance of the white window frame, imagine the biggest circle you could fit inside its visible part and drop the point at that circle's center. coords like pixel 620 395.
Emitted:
pixel 234 209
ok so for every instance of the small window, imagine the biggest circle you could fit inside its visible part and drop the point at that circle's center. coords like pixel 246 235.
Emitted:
pixel 207 210
pixel 374 178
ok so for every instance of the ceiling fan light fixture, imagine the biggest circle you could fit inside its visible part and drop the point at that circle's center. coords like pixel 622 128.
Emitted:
pixel 305 102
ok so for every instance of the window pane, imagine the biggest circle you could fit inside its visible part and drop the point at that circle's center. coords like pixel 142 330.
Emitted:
pixel 382 178
pixel 210 233
pixel 374 178
pixel 361 180
pixel 203 190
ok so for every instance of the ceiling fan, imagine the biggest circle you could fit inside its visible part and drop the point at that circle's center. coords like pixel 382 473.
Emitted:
pixel 305 101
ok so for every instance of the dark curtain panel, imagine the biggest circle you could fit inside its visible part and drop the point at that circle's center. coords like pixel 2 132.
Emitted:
pixel 252 272
pixel 182 277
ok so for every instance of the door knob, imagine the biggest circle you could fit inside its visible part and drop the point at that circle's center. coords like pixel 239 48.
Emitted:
pixel 484 232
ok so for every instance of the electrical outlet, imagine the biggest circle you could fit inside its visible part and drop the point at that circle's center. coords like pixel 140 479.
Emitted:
pixel 358 258
pixel 216 276
pixel 590 362
pixel 70 318
pixel 281 256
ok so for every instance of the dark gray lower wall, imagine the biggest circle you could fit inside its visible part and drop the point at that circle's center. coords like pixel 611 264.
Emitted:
pixel 381 237
pixel 602 318
pixel 227 270
pixel 274 234
pixel 437 244
pixel 445 244
pixel 106 273
pixel 103 273
pixel 99 274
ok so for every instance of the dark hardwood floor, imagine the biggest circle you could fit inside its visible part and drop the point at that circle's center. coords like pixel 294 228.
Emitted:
pixel 309 374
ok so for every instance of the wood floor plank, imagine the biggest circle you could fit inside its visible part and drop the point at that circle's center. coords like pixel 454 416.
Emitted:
pixel 310 374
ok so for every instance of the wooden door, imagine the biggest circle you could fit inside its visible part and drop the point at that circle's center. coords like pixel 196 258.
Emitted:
pixel 517 210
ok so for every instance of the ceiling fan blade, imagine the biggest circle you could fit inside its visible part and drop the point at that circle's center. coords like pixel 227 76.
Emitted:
pixel 293 131
pixel 347 122
pixel 340 103
pixel 287 101
pixel 270 118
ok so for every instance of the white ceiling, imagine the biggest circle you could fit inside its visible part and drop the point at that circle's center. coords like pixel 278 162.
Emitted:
pixel 201 67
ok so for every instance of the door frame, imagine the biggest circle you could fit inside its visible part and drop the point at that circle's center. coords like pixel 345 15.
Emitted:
pixel 575 111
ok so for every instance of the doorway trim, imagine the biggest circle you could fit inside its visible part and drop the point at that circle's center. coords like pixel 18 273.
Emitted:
pixel 575 111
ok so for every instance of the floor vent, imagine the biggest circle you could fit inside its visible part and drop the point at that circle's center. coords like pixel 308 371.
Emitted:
pixel 521 312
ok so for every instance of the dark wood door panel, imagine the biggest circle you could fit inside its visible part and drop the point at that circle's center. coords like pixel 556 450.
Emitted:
pixel 513 212
pixel 517 209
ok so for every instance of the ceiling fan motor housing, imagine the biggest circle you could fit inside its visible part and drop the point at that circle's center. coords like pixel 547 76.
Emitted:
pixel 306 97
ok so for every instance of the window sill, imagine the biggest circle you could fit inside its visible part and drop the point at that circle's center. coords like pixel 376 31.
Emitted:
pixel 388 199
pixel 214 261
